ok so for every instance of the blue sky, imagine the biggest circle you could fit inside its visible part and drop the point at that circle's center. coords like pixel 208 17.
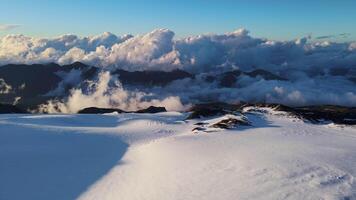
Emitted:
pixel 276 19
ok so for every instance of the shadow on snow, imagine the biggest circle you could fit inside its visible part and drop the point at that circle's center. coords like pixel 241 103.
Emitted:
pixel 36 164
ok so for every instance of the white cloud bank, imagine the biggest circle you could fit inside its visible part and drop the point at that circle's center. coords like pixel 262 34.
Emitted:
pixel 159 50
pixel 318 72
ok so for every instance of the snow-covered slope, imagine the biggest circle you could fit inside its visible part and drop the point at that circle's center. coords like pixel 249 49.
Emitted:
pixel 158 156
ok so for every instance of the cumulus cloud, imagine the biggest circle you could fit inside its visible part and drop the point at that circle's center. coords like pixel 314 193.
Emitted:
pixel 158 50
pixel 6 27
pixel 20 49
pixel 317 72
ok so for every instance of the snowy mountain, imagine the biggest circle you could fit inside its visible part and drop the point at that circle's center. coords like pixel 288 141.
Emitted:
pixel 275 155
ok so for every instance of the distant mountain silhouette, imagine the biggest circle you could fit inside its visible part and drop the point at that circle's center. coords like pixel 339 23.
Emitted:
pixel 32 84
pixel 150 78
pixel 96 110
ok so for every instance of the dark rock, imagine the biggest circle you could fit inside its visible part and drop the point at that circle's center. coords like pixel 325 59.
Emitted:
pixel 317 114
pixel 95 110
pixel 231 123
pixel 152 109
pixel 199 129
pixel 212 109
pixel 313 114
pixel 201 123
pixel 336 114
pixel 10 109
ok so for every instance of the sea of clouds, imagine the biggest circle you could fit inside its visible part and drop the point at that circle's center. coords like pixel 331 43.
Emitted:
pixel 318 71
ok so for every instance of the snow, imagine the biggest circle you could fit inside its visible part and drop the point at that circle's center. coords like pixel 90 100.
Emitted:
pixel 158 156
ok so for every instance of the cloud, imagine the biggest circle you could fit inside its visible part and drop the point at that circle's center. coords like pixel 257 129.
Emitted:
pixel 107 92
pixel 4 87
pixel 159 50
pixel 318 72
pixel 341 35
pixel 7 27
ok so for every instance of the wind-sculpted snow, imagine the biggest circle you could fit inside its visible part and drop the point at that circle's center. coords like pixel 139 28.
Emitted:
pixel 60 156
pixel 86 157
pixel 311 71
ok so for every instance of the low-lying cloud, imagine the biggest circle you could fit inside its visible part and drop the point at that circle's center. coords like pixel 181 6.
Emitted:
pixel 107 92
pixel 317 71
pixel 4 87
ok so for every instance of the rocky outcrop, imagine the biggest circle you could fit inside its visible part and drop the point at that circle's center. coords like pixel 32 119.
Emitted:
pixel 212 109
pixel 316 114
pixel 152 109
pixel 230 123
pixel 95 110
pixel 313 114
pixel 336 114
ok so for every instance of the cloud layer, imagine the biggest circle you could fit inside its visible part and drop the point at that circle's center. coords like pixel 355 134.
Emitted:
pixel 159 50
pixel 318 71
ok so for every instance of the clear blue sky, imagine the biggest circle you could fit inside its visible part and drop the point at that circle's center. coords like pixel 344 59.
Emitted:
pixel 276 19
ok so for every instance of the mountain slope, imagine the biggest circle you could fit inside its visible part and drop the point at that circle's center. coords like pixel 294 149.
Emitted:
pixel 278 156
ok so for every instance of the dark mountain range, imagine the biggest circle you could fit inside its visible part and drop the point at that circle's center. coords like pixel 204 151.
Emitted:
pixel 32 85
pixel 151 78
